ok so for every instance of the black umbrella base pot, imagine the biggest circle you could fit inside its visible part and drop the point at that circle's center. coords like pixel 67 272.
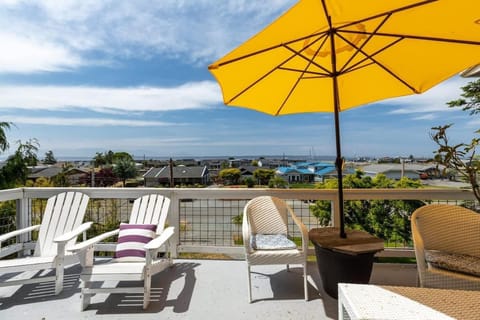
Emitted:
pixel 347 260
pixel 336 267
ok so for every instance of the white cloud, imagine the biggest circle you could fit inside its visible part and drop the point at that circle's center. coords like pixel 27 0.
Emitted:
pixel 432 101
pixel 195 31
pixel 428 116
pixel 193 95
pixel 85 122
pixel 25 55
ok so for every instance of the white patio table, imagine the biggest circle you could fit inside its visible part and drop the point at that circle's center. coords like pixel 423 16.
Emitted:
pixel 364 301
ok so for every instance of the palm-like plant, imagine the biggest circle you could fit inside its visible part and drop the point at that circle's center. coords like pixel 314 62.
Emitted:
pixel 3 137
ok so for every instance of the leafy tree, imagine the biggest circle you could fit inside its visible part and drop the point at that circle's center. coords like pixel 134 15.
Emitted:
pixel 461 157
pixel 117 156
pixel 99 160
pixel 7 216
pixel 103 178
pixel 224 165
pixel 470 98
pixel 263 176
pixel 41 182
pixel 125 169
pixel 14 173
pixel 61 179
pixel 230 176
pixel 49 158
pixel 249 182
pixel 109 157
pixel 383 218
pixel 3 137
pixel 277 182
pixel 28 151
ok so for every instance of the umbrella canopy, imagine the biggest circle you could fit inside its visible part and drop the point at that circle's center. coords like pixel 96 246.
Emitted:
pixel 333 55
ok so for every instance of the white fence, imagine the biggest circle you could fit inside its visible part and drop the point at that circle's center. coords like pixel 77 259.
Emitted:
pixel 217 206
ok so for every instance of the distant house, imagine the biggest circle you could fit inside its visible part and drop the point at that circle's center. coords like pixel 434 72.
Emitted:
pixel 272 163
pixel 308 172
pixel 396 171
pixel 74 175
pixel 295 175
pixel 181 175
pixel 44 172
pixel 237 163
pixel 247 171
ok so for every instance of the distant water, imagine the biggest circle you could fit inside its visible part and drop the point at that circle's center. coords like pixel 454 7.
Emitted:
pixel 250 157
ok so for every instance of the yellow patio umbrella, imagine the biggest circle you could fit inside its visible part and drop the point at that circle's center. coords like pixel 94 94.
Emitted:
pixel 333 55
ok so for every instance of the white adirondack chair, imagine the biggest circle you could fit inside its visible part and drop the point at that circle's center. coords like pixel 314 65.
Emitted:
pixel 60 226
pixel 149 209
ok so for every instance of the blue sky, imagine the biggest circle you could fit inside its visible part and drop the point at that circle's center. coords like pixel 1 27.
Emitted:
pixel 91 76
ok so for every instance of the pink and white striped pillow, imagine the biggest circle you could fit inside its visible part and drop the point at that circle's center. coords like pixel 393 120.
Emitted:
pixel 131 240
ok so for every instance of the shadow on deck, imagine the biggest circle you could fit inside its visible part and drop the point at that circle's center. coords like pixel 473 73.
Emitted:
pixel 196 289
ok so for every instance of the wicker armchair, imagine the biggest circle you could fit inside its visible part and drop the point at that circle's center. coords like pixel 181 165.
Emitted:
pixel 447 246
pixel 265 230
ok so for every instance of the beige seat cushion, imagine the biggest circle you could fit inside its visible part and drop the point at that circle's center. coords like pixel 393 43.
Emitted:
pixel 453 262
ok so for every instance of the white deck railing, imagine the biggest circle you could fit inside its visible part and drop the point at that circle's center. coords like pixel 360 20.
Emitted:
pixel 180 198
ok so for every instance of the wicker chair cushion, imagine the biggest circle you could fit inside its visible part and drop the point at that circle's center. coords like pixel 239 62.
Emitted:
pixel 132 239
pixel 271 242
pixel 454 262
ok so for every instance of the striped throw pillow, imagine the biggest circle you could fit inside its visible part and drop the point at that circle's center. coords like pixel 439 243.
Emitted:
pixel 131 240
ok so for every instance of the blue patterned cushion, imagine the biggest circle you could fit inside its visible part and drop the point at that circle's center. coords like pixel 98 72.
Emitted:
pixel 454 262
pixel 271 242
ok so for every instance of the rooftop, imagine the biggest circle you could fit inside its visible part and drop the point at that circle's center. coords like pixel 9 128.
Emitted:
pixel 196 289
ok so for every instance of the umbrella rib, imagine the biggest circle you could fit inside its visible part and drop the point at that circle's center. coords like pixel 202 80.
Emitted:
pixel 299 53
pixel 359 49
pixel 216 66
pixel 283 44
pixel 414 37
pixel 251 85
pixel 381 65
pixel 310 61
pixel 391 12
pixel 367 56
pixel 272 70
pixel 319 74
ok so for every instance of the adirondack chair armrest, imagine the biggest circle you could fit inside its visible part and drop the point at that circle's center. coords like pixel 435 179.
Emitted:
pixel 12 234
pixel 84 245
pixel 161 239
pixel 74 233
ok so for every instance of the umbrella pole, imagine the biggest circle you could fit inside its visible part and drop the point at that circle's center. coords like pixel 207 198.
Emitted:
pixel 336 105
pixel 339 166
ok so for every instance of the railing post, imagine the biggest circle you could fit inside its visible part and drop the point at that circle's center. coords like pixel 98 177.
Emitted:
pixel 174 219
pixel 335 207
pixel 22 221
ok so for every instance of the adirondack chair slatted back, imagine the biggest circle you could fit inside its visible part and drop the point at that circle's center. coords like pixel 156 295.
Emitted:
pixel 150 209
pixel 63 213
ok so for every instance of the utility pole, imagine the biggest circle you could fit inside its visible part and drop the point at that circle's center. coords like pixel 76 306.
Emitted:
pixel 172 183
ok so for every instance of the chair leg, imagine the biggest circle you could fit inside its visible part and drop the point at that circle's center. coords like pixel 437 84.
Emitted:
pixel 85 297
pixel 249 285
pixel 305 282
pixel 146 290
pixel 59 271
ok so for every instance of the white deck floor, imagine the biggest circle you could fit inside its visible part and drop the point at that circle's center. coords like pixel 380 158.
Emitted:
pixel 196 289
